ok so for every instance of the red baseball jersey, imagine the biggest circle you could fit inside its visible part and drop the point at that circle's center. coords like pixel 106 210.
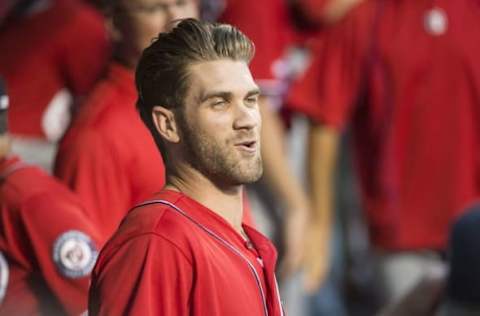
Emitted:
pixel 108 156
pixel 174 256
pixel 48 247
pixel 406 76
pixel 47 57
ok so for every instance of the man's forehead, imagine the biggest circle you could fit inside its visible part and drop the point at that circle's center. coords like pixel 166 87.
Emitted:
pixel 222 75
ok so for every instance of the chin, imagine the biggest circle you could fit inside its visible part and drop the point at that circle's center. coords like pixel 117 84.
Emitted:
pixel 250 174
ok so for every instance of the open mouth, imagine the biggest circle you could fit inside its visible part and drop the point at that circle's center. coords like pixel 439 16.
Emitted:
pixel 248 146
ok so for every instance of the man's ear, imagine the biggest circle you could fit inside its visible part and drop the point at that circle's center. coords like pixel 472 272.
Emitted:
pixel 165 124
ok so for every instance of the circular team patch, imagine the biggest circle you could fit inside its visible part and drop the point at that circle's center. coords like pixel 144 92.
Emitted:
pixel 4 274
pixel 75 254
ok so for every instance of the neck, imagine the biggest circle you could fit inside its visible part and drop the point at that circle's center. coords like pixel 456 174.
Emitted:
pixel 226 201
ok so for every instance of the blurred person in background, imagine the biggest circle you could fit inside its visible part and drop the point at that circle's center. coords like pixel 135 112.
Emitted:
pixel 51 54
pixel 108 156
pixel 405 77
pixel 48 247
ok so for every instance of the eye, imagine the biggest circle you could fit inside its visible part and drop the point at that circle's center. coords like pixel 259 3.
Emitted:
pixel 218 103
pixel 251 100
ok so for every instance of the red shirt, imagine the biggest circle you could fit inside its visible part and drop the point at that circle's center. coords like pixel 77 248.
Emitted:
pixel 177 257
pixel 62 48
pixel 411 91
pixel 47 245
pixel 108 156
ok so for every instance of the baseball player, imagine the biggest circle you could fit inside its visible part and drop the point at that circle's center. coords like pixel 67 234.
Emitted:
pixel 187 251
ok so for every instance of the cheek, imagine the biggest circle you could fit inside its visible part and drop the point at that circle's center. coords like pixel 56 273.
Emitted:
pixel 215 127
pixel 257 117
pixel 216 132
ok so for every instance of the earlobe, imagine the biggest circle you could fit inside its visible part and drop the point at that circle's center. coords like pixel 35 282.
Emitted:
pixel 164 121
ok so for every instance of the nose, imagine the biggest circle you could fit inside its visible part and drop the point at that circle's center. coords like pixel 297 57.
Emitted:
pixel 246 117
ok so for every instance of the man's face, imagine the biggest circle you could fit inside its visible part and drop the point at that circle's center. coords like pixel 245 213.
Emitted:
pixel 139 21
pixel 220 123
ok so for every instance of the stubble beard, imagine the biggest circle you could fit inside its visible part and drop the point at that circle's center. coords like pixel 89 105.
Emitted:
pixel 217 161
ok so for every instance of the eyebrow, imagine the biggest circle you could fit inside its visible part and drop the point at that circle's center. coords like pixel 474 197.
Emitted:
pixel 254 92
pixel 226 95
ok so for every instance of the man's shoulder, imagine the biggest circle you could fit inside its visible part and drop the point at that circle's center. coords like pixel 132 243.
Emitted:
pixel 103 103
pixel 101 119
pixel 30 194
pixel 155 220
pixel 107 108
pixel 31 181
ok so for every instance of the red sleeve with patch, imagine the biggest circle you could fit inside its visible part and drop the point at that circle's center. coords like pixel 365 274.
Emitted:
pixel 64 245
pixel 50 246
pixel 158 280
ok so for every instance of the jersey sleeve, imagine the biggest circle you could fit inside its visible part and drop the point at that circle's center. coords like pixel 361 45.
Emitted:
pixel 147 275
pixel 85 50
pixel 89 165
pixel 62 245
pixel 328 90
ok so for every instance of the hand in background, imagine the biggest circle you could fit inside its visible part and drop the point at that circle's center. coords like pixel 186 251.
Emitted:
pixel 316 264
pixel 295 227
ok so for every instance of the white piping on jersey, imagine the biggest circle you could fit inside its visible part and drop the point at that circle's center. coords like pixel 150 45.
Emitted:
pixel 226 244
pixel 282 312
